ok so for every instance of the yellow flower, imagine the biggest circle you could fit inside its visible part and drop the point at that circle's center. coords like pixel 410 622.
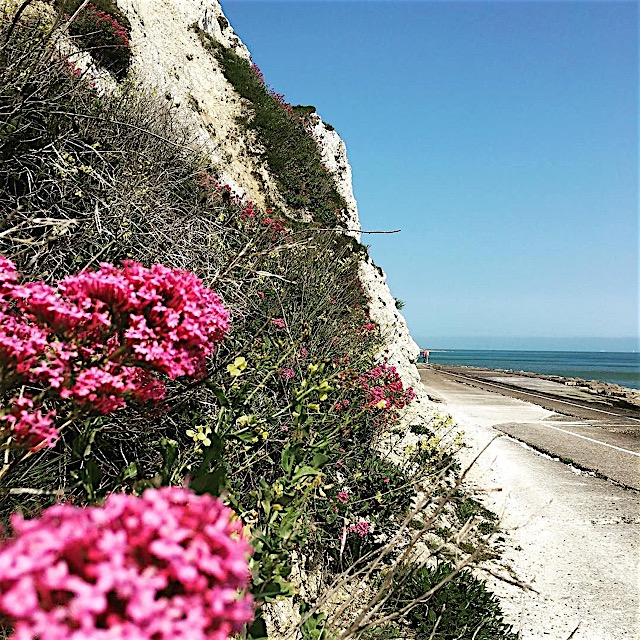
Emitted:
pixel 237 367
pixel 381 405
pixel 200 436
pixel 314 407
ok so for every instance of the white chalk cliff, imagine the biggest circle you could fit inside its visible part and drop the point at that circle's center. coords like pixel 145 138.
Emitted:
pixel 169 55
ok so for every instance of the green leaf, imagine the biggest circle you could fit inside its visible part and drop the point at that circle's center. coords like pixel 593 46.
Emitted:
pixel 314 627
pixel 257 630
pixel 319 459
pixel 213 454
pixel 128 473
pixel 169 455
pixel 213 483
pixel 302 472
pixel 218 392
pixel 287 459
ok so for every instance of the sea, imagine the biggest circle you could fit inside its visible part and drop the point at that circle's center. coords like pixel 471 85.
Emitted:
pixel 621 368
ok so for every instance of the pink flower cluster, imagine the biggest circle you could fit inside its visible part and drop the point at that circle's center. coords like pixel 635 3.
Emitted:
pixel 103 19
pixel 169 565
pixel 287 374
pixel 258 72
pixel 249 213
pixel 30 425
pixel 361 528
pixel 274 224
pixel 342 404
pixel 100 338
pixel 383 384
pixel 219 191
pixel 278 323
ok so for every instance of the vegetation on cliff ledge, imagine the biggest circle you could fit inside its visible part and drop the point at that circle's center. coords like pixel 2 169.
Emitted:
pixel 289 150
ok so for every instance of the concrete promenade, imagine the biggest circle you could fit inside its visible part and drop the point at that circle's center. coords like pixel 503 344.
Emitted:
pixel 571 534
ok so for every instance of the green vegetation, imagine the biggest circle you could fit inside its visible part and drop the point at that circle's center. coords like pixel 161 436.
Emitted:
pixel 286 423
pixel 468 507
pixel 103 30
pixel 439 603
pixel 290 152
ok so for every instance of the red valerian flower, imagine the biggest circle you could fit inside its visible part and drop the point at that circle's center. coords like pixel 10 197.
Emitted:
pixel 169 565
pixel 101 338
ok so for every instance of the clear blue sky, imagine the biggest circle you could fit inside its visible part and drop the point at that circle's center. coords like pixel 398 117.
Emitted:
pixel 501 137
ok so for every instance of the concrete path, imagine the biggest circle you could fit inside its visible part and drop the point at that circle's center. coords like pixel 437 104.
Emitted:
pixel 572 536
pixel 578 428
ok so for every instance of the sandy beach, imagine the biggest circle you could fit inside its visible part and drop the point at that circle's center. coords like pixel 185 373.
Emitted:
pixel 570 533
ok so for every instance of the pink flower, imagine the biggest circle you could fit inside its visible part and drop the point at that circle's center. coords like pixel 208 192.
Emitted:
pixel 256 70
pixel 163 566
pixel 287 374
pixel 361 528
pixel 29 425
pixel 8 274
pixel 101 337
pixel 279 323
pixel 343 497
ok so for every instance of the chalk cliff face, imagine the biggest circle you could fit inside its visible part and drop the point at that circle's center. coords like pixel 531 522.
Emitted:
pixel 169 55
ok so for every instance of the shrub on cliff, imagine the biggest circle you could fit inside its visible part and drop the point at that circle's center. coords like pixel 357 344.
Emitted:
pixel 440 603
pixel 102 30
pixel 291 153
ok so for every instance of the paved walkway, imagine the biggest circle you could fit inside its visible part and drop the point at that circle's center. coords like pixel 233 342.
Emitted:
pixel 570 535
pixel 576 429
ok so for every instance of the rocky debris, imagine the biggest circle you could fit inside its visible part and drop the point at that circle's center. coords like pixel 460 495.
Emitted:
pixel 603 389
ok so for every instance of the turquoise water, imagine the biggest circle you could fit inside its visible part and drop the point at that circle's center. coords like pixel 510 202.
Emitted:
pixel 618 368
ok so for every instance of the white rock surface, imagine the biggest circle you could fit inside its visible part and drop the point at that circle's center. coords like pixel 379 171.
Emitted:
pixel 401 350
pixel 169 55
pixel 334 158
